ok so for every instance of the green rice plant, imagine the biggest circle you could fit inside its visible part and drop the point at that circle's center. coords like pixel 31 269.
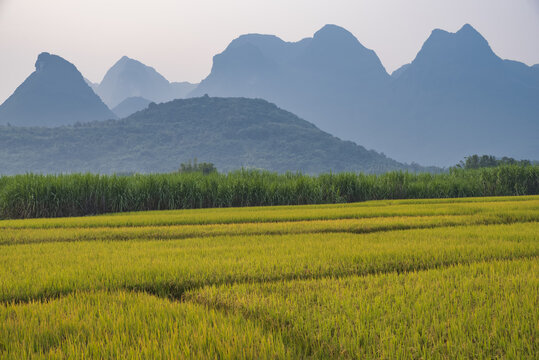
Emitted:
pixel 16 236
pixel 476 311
pixel 169 268
pixel 102 325
pixel 527 206
pixel 413 278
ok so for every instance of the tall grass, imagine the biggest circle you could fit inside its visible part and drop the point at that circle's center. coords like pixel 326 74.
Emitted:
pixel 33 196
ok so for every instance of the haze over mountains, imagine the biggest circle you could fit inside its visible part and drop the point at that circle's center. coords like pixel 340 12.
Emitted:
pixel 130 106
pixel 54 94
pixel 130 78
pixel 229 132
pixel 57 94
pixel 456 98
pixel 327 79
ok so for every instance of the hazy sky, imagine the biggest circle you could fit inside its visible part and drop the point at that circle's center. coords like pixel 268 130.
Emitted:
pixel 179 37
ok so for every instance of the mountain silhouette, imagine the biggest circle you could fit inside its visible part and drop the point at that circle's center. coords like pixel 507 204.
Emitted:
pixel 458 98
pixel 325 79
pixel 230 132
pixel 92 85
pixel 130 106
pixel 54 94
pixel 455 99
pixel 131 78
pixel 397 73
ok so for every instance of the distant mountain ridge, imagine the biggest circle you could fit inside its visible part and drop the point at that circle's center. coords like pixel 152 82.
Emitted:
pixel 317 78
pixel 455 99
pixel 459 98
pixel 92 85
pixel 231 133
pixel 130 106
pixel 131 78
pixel 54 94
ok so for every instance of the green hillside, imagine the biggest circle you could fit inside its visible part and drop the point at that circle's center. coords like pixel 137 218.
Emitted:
pixel 229 132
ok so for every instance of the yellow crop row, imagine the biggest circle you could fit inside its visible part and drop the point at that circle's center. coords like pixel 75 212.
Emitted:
pixel 480 310
pixel 451 278
pixel 124 325
pixel 168 268
pixel 288 213
pixel 483 310
pixel 365 225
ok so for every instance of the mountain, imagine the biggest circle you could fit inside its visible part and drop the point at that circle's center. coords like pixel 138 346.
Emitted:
pixel 459 98
pixel 397 73
pixel 130 105
pixel 54 94
pixel 455 99
pixel 92 85
pixel 229 132
pixel 131 78
pixel 328 79
pixel 180 90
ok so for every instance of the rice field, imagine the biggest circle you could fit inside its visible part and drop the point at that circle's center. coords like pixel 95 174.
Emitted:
pixel 390 279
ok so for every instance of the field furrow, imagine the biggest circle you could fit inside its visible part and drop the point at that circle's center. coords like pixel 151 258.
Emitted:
pixel 486 310
pixel 449 278
pixel 358 226
pixel 169 268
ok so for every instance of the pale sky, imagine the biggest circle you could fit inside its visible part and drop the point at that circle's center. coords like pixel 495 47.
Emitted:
pixel 179 38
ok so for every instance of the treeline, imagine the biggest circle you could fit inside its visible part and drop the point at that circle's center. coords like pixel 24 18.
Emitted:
pixel 204 167
pixel 31 196
pixel 477 162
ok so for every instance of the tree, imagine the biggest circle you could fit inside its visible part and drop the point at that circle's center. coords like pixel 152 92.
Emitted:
pixel 475 162
pixel 195 167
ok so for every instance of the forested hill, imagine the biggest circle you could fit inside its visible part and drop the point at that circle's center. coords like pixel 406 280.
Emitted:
pixel 229 132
